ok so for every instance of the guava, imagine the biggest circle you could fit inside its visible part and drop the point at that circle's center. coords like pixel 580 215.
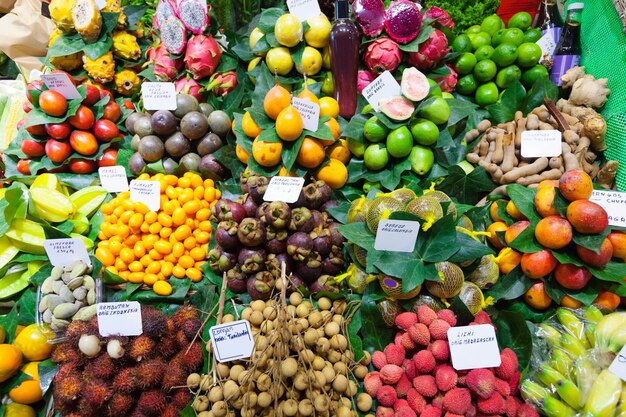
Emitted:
pixel 414 84
pixel 438 111
pixel 422 159
pixel 397 108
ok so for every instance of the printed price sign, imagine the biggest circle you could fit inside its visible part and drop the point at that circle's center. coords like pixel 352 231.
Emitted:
pixel 147 192
pixel 383 86
pixel 62 84
pixel 309 111
pixel 396 235
pixel 304 9
pixel 62 252
pixel 119 319
pixel 285 189
pixel 473 347
pixel 113 179
pixel 538 143
pixel 232 341
pixel 618 367
pixel 158 96
pixel 614 203
pixel 547 45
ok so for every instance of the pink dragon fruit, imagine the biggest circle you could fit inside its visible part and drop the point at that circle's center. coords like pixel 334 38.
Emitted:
pixel 194 14
pixel 173 35
pixel 165 68
pixel 440 16
pixel 370 15
pixel 448 82
pixel 164 9
pixel 202 56
pixel 382 55
pixel 430 53
pixel 223 83
pixel 403 21
pixel 364 78
pixel 189 86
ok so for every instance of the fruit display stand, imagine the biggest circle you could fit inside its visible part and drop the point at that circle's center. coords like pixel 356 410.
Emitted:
pixel 193 224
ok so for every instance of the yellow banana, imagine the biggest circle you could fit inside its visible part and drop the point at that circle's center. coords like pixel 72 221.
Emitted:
pixel 606 328
pixel 586 371
pixel 551 334
pixel 592 316
pixel 572 345
pixel 548 375
pixel 604 395
pixel 52 204
pixel 572 324
pixel 534 392
pixel 88 199
pixel 621 409
pixel 562 362
pixel 569 392
pixel 27 236
pixel 556 408
pixel 8 251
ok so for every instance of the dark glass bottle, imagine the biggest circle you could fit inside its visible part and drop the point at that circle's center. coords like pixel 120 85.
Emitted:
pixel 344 54
pixel 549 16
pixel 568 50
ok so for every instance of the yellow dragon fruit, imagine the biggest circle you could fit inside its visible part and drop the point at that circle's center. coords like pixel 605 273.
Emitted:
pixel 125 46
pixel 68 62
pixel 115 6
pixel 127 82
pixel 138 33
pixel 87 20
pixel 61 14
pixel 102 69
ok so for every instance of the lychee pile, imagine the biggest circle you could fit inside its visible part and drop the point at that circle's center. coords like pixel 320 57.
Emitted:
pixel 415 376
pixel 139 376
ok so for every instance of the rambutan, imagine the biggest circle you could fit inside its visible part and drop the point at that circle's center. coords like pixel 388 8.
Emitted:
pixel 66 370
pixel 150 373
pixel 125 381
pixel 170 411
pixel 76 329
pixel 425 385
pixel 445 378
pixel 96 391
pixel 152 401
pixel 481 382
pixel 447 316
pixel 169 325
pixel 457 400
pixel 424 361
pixel 403 386
pixel 141 348
pixel 153 322
pixel 394 354
pixel 175 376
pixel 67 389
pixel 379 359
pixel 426 315
pixel 181 340
pixel 181 398
pixel 491 405
pixel 120 405
pixel 102 367
pixel 168 347
pixel 439 329
pixel 386 396
pixel 440 349
pixel 430 411
pixel 64 353
pixel 192 359
pixel 191 327
pixel 85 408
pixel 415 400
pixel 184 313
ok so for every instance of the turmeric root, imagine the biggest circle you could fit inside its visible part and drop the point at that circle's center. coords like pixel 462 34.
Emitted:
pixel 606 176
pixel 595 129
pixel 536 167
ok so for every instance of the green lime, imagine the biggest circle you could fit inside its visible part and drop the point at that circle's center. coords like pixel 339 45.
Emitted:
pixel 485 70
pixel 532 35
pixel 514 36
pixel 496 38
pixel 400 142
pixel 480 39
pixel 357 148
pixel 504 55
pixel 376 157
pixel 473 29
pixel 438 111
pixel 435 90
pixel 422 159
pixel 375 130
pixel 528 54
pixel 424 132
pixel 369 185
pixel 462 43
pixel 465 63
pixel 328 86
pixel 486 94
pixel 367 109
pixel 447 96
pixel 491 24
pixel 532 74
pixel 466 85
pixel 507 75
pixel 520 20
pixel 484 52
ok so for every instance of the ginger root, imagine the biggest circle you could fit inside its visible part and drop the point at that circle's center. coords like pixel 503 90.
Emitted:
pixel 606 176
pixel 588 91
pixel 595 129
pixel 571 76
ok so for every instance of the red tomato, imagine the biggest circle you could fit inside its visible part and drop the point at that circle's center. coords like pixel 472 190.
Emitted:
pixel 22 166
pixel 112 111
pixel 129 105
pixel 58 130
pixel 33 148
pixel 84 143
pixel 82 166
pixel 83 119
pixel 108 158
pixel 57 151
pixel 36 130
pixel 53 103
pixel 105 130
pixel 92 96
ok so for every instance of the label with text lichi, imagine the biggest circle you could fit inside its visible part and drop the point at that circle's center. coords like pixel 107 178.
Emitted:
pixel 473 347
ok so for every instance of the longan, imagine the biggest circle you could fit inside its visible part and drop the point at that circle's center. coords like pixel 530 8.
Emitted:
pixel 258 305
pixel 256 318
pixel 295 299
pixel 264 399
pixel 216 394
pixel 193 381
pixel 289 367
pixel 324 303
pixel 331 329
pixel 364 402
pixel 340 384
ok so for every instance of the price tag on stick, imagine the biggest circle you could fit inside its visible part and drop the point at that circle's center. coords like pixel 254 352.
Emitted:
pixel 119 319
pixel 304 9
pixel 309 111
pixel 147 192
pixel 383 86
pixel 113 179
pixel 473 347
pixel 62 252
pixel 232 341
pixel 614 203
pixel 62 84
pixel 285 189
pixel 158 96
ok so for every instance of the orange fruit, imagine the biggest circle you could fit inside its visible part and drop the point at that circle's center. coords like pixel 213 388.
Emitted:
pixel 340 151
pixel 618 240
pixel 267 154
pixel 570 302
pixel 493 210
pixel 553 232
pixel 311 153
pixel 19 410
pixel 276 99
pixel 249 126
pixel 514 212
pixel 242 155
pixel 335 130
pixel 33 343
pixel 544 200
pixel 306 94
pixel 537 297
pixel 334 173
pixel 329 107
pixel 284 173
pixel 508 259
pixel 10 361
pixel 29 391
pixel 53 103
pixel 607 300
pixel 289 124
pixel 548 183
pixel 514 230
pixel 493 228
pixel 576 184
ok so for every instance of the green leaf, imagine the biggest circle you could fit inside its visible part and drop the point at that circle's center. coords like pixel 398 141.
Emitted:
pixel 511 101
pixel 188 411
pixel 270 136
pixel 290 152
pixel 9 324
pixel 96 50
pixel 268 19
pixel 469 248
pixel 46 371
pixel 40 276
pixel 513 333
pixel 459 110
pixel 511 286
pixel 27 305
pixel 542 88
pixel 467 188
pixel 134 14
pixel 376 335
pixel 612 271
pixel 354 129
pixel 17 197
pixel 353 333
pixel 66 45
pixel 435 244
pixel 359 234
pixel 38 117
pixel 591 242
pixel 411 271
pixel 524 200
pixel 340 213
pixel 414 45
pixel 260 118
pixel 525 242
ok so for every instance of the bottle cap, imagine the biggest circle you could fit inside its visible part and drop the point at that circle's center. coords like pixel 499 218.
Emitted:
pixel 342 10
pixel 575 6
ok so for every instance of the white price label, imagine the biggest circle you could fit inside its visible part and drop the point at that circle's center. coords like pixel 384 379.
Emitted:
pixel 614 203
pixel 62 84
pixel 232 341
pixel 304 9
pixel 285 189
pixel 540 143
pixel 62 252
pixel 119 319
pixel 547 45
pixel 618 366
pixel 309 111
pixel 473 347
pixel 158 96
pixel 383 86
pixel 113 179
pixel 396 235
pixel 100 4
pixel 147 192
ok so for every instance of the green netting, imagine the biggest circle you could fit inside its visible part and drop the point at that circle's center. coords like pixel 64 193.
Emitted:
pixel 604 55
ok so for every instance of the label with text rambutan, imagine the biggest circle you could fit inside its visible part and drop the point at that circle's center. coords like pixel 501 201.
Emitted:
pixel 119 319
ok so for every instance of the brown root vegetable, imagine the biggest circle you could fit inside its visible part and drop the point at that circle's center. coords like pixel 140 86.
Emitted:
pixel 571 76
pixel 595 129
pixel 590 92
pixel 553 174
pixel 582 113
pixel 606 176
pixel 536 167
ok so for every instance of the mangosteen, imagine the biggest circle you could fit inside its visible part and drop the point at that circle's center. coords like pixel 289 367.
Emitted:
pixel 319 219
pixel 170 166
pixel 251 232
pixel 243 182
pixel 299 246
pixel 310 268
pixel 274 264
pixel 322 242
pixel 275 239
pixel 260 285
pixel 220 260
pixel 251 260
pixel 278 214
pixel 211 168
pixel 316 194
pixel 323 283
pixel 136 164
pixel 236 280
pixel 177 145
pixel 226 234
pixel 163 122
pixel 226 209
pixel 335 234
pixel 209 144
pixel 249 205
pixel 333 263
pixel 260 211
pixel 257 185
pixel 301 220
pixel 130 122
pixel 329 204
pixel 297 282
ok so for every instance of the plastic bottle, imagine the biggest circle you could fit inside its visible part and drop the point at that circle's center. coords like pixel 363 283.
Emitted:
pixel 568 50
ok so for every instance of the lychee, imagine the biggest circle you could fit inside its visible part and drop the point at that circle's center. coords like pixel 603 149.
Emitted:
pixel 511 405
pixel 514 382
pixel 399 404
pixel 386 396
pixel 425 385
pixel 426 315
pixel 439 329
pixel 447 316
pixel 420 334
pixel 406 320
pixel 503 387
pixel 471 411
pixel 430 411
pixel 457 400
pixel 403 386
pixel 512 355
pixel 445 378
pixel 379 359
pixel 372 383
pixel 390 374
pixel 449 414
pixel 440 349
pixel 482 382
pixel 527 410
pixel 491 405
pixel 384 411
pixel 424 361
pixel 405 411
pixel 394 354
pixel 409 368
pixel 437 401
pixel 415 400
pixel 507 367
pixel 406 342
pixel 482 318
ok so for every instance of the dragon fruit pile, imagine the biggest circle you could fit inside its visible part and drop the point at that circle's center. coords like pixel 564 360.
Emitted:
pixel 187 51
pixel 415 376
